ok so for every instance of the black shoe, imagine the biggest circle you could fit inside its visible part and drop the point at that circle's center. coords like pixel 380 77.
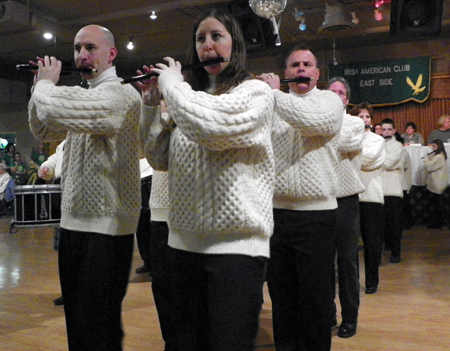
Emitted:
pixel 59 301
pixel 395 259
pixel 333 323
pixel 142 269
pixel 347 330
pixel 371 290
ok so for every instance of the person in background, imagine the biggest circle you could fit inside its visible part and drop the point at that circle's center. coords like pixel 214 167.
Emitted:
pixel 377 129
pixel 443 131
pixel 4 181
pixel 221 178
pixel 39 156
pixel 8 157
pixel 18 170
pixel 144 231
pixel 372 199
pixel 406 186
pixel 437 181
pixel 302 249
pixel 348 226
pixel 393 191
pixel 410 136
pixel 50 170
pixel 100 185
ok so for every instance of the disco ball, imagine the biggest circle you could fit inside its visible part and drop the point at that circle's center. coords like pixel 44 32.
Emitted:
pixel 267 8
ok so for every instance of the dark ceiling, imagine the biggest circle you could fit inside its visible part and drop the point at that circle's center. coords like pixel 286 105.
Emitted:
pixel 169 34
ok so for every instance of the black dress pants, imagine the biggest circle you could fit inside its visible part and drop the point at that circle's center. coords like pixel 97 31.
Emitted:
pixel 347 238
pixel 162 292
pixel 218 299
pixel 300 279
pixel 94 270
pixel 143 231
pixel 372 225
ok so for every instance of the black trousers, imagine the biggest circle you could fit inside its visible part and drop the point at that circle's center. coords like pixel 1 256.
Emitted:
pixel 94 270
pixel 143 231
pixel 300 279
pixel 372 224
pixel 347 238
pixel 218 299
pixel 393 227
pixel 162 292
pixel 437 210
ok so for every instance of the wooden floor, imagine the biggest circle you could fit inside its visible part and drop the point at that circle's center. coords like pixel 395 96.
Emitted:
pixel 411 310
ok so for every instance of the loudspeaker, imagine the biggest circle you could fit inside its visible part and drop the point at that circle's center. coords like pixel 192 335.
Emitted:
pixel 257 31
pixel 416 17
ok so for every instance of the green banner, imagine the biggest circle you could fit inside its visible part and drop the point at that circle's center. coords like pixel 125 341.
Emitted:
pixel 386 82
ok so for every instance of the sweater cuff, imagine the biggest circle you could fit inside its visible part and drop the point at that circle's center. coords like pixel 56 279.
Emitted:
pixel 169 78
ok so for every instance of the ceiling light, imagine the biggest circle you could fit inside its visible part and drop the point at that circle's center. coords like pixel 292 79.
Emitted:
pixel 153 15
pixel 379 3
pixel 302 25
pixel 355 18
pixel 378 15
pixel 267 8
pixel 130 45
pixel 48 35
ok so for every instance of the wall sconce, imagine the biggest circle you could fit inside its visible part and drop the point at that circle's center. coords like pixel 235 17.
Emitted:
pixel 130 45
pixel 355 18
pixel 153 15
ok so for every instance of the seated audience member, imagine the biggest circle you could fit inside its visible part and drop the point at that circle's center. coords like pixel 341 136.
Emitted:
pixel 18 170
pixel 8 156
pixel 4 180
pixel 437 180
pixel 377 129
pixel 410 136
pixel 443 131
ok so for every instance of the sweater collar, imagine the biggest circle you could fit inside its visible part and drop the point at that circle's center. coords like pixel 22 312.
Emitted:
pixel 108 76
pixel 305 94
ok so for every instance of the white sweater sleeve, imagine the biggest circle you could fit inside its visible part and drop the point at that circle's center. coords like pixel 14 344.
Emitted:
pixel 218 122
pixel 312 114
pixel 75 109
pixel 351 134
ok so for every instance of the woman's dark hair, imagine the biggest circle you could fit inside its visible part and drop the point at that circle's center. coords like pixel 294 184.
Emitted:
pixel 236 71
pixel 411 124
pixel 8 146
pixel 362 106
pixel 440 147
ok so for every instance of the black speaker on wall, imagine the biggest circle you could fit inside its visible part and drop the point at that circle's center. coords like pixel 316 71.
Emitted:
pixel 416 17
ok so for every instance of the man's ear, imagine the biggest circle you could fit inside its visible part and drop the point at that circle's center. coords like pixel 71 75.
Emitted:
pixel 112 54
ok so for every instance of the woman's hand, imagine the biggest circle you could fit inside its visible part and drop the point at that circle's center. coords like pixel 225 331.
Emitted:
pixel 172 66
pixel 149 88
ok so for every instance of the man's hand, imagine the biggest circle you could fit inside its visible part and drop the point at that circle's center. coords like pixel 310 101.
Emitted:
pixel 49 68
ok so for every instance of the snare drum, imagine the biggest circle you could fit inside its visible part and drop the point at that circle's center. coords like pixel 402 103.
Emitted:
pixel 37 206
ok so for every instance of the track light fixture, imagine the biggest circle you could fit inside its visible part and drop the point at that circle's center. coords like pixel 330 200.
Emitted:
pixel 153 15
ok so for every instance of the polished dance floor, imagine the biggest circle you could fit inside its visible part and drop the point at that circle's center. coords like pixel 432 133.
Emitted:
pixel 410 312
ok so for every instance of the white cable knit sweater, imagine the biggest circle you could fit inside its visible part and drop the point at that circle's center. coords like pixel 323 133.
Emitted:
pixel 393 169
pixel 100 174
pixel 221 167
pixel 372 159
pixel 349 153
pixel 437 173
pixel 305 137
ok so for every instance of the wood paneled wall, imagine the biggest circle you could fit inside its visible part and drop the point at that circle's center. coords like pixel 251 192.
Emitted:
pixel 424 115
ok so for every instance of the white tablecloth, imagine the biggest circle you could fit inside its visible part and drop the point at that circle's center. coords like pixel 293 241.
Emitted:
pixel 416 153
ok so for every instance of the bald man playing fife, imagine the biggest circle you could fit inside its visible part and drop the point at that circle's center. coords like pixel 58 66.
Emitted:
pixel 101 185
